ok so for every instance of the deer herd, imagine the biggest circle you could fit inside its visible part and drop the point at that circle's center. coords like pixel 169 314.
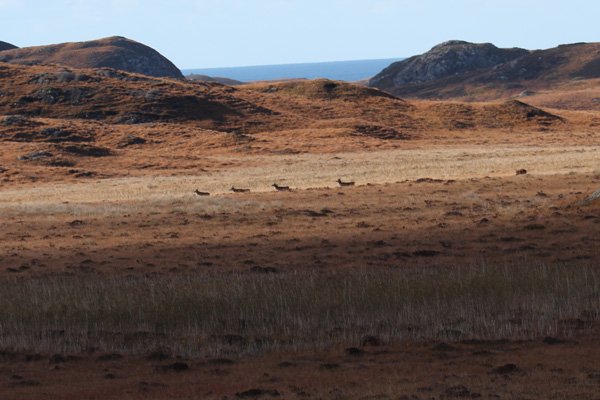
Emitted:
pixel 276 186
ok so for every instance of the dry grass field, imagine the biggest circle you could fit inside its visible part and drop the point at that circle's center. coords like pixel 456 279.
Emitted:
pixel 442 273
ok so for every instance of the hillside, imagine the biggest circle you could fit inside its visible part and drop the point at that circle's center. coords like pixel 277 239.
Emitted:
pixel 113 52
pixel 320 89
pixel 476 72
pixel 61 123
pixel 116 97
pixel 217 79
pixel 370 112
pixel 7 46
pixel 449 59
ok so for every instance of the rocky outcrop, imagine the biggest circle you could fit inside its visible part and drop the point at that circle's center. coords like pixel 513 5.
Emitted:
pixel 483 72
pixel 445 60
pixel 7 46
pixel 114 52
pixel 594 197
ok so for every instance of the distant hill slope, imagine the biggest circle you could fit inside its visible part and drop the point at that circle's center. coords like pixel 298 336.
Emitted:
pixel 445 60
pixel 484 72
pixel 7 46
pixel 116 97
pixel 206 78
pixel 334 104
pixel 320 89
pixel 113 52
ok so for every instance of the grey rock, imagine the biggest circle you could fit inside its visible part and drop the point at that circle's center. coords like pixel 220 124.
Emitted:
pixel 36 155
pixel 591 198
pixel 444 60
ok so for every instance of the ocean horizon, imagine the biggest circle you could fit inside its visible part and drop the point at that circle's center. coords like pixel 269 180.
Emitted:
pixel 350 71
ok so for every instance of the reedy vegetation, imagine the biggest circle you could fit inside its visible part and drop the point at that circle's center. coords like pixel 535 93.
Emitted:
pixel 202 315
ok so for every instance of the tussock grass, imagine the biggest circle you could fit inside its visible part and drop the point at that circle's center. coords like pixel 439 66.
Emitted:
pixel 199 315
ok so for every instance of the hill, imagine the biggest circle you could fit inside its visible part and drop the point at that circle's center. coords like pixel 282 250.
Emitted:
pixel 319 89
pixel 7 46
pixel 217 79
pixel 449 59
pixel 480 72
pixel 116 96
pixel 113 52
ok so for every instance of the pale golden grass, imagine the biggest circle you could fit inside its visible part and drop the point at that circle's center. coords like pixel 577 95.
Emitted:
pixel 302 171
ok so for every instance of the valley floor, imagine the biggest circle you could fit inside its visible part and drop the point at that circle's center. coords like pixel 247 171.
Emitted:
pixel 420 207
pixel 446 207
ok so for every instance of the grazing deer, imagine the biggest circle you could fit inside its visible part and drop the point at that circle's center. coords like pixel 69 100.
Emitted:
pixel 199 193
pixel 281 188
pixel 235 190
pixel 342 183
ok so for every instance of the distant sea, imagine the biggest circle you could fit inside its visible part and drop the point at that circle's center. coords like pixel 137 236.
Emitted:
pixel 338 70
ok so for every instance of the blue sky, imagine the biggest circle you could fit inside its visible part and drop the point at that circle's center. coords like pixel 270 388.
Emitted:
pixel 220 33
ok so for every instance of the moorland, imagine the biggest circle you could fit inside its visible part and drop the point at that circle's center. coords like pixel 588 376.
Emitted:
pixel 462 261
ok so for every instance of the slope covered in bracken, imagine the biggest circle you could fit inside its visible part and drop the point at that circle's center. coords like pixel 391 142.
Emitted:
pixel 115 96
pixel 324 103
pixel 113 52
pixel 118 97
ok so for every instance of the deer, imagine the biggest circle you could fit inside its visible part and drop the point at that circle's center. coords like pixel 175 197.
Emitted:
pixel 342 183
pixel 235 190
pixel 199 193
pixel 281 188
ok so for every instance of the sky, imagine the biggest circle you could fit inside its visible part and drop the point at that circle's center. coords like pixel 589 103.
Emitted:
pixel 224 33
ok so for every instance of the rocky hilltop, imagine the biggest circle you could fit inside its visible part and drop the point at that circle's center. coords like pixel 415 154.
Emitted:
pixel 115 52
pixel 485 72
pixel 7 46
pixel 449 59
